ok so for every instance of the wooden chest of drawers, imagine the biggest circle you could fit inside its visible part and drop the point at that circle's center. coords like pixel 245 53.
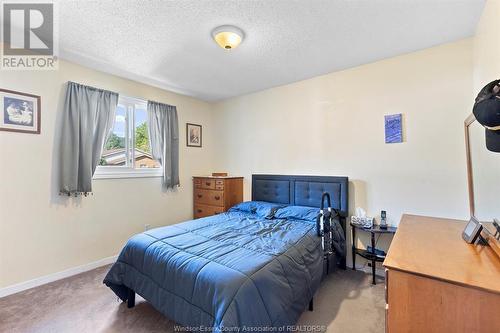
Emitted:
pixel 436 282
pixel 214 195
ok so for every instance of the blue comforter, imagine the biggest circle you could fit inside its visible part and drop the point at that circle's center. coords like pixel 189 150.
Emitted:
pixel 225 271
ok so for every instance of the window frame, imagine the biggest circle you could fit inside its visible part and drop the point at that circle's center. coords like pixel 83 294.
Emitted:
pixel 128 170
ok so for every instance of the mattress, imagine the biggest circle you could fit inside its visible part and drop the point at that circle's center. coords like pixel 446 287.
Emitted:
pixel 229 271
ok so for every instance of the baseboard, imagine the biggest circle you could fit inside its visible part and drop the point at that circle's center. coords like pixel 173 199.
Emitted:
pixel 15 288
pixel 367 269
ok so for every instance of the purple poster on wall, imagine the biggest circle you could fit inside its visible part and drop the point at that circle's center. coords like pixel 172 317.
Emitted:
pixel 394 128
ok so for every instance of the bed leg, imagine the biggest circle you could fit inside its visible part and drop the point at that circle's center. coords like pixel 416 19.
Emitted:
pixel 130 298
pixel 343 263
pixel 311 305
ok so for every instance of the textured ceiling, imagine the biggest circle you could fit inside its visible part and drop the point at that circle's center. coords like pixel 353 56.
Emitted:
pixel 168 43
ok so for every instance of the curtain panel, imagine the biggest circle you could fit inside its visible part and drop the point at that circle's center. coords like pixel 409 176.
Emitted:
pixel 164 140
pixel 88 118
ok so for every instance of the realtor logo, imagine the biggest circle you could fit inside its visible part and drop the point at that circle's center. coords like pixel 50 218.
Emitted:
pixel 28 36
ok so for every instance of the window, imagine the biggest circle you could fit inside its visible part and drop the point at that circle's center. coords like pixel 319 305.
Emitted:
pixel 127 153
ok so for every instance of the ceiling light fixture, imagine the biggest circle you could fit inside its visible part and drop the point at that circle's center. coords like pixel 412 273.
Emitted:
pixel 227 36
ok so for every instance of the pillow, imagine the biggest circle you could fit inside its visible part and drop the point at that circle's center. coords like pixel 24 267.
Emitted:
pixel 297 213
pixel 261 208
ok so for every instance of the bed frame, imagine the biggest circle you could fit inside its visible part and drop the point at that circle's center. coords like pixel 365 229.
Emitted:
pixel 304 191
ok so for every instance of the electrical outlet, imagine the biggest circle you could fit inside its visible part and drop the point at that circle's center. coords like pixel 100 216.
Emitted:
pixel 147 227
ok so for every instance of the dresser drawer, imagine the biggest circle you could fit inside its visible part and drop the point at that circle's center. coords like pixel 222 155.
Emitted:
pixel 219 184
pixel 205 183
pixel 206 210
pixel 209 197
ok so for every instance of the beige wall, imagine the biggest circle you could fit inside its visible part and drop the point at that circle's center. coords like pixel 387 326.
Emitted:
pixel 334 125
pixel 42 233
pixel 487 46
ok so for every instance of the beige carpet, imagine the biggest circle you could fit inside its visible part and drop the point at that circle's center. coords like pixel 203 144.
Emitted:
pixel 346 302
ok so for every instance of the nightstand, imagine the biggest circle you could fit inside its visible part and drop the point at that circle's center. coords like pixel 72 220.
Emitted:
pixel 369 255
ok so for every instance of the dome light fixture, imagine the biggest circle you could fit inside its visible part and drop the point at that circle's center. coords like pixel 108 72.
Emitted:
pixel 227 36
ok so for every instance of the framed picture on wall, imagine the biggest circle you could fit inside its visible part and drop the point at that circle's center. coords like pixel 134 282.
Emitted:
pixel 193 135
pixel 394 128
pixel 19 112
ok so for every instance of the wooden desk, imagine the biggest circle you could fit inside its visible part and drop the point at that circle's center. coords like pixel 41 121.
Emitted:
pixel 436 282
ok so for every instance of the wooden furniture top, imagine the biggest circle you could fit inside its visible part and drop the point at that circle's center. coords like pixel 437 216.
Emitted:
pixel 434 247
pixel 219 177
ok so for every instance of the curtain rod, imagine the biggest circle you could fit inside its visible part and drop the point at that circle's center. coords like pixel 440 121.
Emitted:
pixel 92 87
pixel 138 99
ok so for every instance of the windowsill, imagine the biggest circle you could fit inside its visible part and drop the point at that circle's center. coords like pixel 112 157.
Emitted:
pixel 120 172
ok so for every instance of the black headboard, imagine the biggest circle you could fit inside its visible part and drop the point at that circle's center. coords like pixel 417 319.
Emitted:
pixel 301 190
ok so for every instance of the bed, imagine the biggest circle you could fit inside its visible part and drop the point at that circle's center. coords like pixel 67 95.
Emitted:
pixel 236 270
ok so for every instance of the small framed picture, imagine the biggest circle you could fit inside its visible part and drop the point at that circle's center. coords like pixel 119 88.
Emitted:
pixel 394 128
pixel 19 112
pixel 193 135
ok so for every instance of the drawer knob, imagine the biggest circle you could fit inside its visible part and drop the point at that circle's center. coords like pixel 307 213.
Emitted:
pixel 216 213
pixel 199 210
pixel 208 183
pixel 217 197
pixel 199 195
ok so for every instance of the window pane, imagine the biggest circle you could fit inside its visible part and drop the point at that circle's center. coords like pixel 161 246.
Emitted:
pixel 142 153
pixel 114 152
